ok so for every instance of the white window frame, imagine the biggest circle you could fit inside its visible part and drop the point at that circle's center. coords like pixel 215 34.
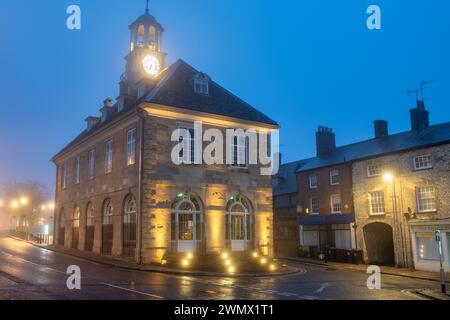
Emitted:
pixel 425 165
pixel 201 85
pixel 369 171
pixel 335 196
pixel 77 170
pixel 131 147
pixel 312 207
pixel 418 199
pixel 91 164
pixel 311 186
pixel 372 196
pixel 109 156
pixel 239 151
pixel 333 174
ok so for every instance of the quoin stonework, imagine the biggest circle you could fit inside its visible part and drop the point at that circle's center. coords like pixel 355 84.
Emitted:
pixel 118 191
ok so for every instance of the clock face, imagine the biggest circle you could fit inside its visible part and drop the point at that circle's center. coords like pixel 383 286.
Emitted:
pixel 151 65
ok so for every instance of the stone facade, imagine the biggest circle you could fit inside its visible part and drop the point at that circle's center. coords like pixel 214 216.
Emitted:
pixel 402 220
pixel 115 186
pixel 162 182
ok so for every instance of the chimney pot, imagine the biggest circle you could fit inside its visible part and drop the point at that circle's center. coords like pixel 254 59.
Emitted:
pixel 91 122
pixel 381 128
pixel 325 140
pixel 420 117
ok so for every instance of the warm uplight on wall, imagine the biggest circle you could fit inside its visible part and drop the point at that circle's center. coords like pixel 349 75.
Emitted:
pixel 185 263
pixel 231 269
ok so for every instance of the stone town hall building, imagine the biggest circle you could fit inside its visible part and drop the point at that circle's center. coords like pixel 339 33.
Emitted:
pixel 119 193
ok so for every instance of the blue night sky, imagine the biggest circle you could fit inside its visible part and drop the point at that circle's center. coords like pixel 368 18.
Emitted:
pixel 304 63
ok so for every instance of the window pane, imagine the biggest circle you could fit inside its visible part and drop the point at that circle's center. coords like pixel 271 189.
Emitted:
pixel 237 227
pixel 377 202
pixel 336 204
pixel 313 181
pixel 131 147
pixel 186 226
pixel 423 162
pixel 334 177
pixel 314 205
pixel 426 199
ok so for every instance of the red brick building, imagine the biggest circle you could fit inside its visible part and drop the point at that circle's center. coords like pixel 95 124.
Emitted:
pixel 325 199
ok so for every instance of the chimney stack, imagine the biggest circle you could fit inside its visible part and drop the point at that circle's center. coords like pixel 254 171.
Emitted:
pixel 420 117
pixel 381 128
pixel 325 140
pixel 107 109
pixel 91 122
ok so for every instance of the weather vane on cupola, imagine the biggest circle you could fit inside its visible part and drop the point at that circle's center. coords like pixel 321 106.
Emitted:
pixel 146 7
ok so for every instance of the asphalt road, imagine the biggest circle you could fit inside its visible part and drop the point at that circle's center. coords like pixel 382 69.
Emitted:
pixel 28 272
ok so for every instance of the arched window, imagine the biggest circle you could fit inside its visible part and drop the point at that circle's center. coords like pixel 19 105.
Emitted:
pixel 239 219
pixel 152 38
pixel 107 212
pixel 89 215
pixel 130 210
pixel 76 217
pixel 187 218
pixel 140 36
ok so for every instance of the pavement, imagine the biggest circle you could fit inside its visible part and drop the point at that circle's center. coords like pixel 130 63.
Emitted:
pixel 131 265
pixel 401 272
pixel 37 273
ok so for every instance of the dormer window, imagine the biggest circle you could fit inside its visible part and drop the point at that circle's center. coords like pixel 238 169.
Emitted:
pixel 201 84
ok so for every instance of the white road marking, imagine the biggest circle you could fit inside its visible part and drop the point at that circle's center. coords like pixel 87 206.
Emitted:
pixel 41 266
pixel 134 291
pixel 322 287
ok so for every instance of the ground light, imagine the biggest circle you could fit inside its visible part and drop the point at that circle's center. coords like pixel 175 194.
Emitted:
pixel 185 263
pixel 263 261
pixel 255 254
pixel 272 267
pixel 224 256
pixel 228 262
pixel 231 269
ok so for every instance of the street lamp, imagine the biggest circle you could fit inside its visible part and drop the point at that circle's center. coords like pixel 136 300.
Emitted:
pixel 14 204
pixel 24 200
pixel 388 177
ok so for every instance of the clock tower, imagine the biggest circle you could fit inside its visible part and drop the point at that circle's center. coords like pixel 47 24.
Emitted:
pixel 145 60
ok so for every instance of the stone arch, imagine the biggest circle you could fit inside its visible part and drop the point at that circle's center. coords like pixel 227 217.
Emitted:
pixel 187 223
pixel 240 223
pixel 379 243
pixel 129 226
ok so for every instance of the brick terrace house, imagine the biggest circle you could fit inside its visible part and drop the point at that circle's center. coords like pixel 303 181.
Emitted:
pixel 401 186
pixel 119 193
pixel 325 196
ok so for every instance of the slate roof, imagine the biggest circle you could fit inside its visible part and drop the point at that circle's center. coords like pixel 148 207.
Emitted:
pixel 285 181
pixel 433 135
pixel 177 91
pixel 174 87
